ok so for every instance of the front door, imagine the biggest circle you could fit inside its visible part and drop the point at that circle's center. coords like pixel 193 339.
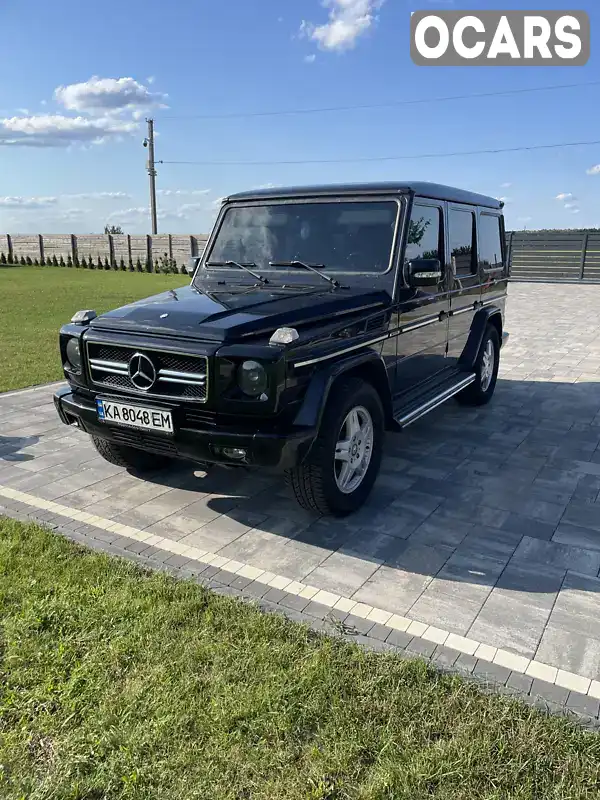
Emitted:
pixel 464 281
pixel 422 313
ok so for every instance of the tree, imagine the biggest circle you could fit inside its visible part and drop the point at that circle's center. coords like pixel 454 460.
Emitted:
pixel 114 229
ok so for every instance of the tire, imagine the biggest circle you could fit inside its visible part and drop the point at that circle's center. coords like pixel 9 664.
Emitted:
pixel 129 457
pixel 316 482
pixel 480 392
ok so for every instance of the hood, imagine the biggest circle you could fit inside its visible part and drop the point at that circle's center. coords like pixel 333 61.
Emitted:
pixel 222 313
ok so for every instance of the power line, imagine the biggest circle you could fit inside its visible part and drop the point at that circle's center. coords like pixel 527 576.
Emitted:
pixel 371 106
pixel 384 158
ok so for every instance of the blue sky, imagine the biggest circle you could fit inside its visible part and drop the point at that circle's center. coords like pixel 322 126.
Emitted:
pixel 77 80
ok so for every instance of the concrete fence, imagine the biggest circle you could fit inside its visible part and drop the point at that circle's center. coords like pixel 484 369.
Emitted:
pixel 102 250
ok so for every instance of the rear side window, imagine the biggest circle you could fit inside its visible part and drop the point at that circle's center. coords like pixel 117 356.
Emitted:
pixel 424 233
pixel 490 242
pixel 462 241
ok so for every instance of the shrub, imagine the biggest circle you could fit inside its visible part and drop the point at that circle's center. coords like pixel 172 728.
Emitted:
pixel 166 264
pixel 54 260
pixel 2 258
pixel 69 261
pixel 42 262
pixel 62 262
pixel 122 265
pixel 131 266
pixel 138 266
pixel 28 261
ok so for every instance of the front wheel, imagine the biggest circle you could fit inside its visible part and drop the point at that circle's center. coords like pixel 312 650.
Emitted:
pixel 343 464
pixel 486 371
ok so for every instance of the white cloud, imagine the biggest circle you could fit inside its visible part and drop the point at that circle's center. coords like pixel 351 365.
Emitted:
pixel 56 130
pixel 570 205
pixel 150 79
pixel 186 207
pixel 524 219
pixel 108 96
pixel 180 192
pixel 27 202
pixel 595 170
pixel 565 196
pixel 141 212
pixel 99 196
pixel 575 210
pixel 348 20
pixel 310 59
pixel 505 185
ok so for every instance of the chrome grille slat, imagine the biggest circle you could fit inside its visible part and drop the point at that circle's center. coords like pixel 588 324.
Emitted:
pixel 177 375
pixel 114 367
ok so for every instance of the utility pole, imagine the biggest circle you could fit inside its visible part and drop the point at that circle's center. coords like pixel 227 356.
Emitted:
pixel 150 166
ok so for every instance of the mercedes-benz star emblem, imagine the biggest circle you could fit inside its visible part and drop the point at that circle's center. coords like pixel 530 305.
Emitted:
pixel 141 372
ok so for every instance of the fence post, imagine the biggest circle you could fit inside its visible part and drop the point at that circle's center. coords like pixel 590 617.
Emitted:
pixel 129 256
pixel 149 252
pixel 10 248
pixel 111 250
pixel 584 245
pixel 74 256
pixel 41 243
pixel 170 248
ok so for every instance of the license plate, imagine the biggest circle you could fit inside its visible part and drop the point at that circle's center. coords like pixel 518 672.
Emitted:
pixel 133 416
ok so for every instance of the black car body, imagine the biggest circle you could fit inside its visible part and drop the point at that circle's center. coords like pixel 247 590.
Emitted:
pixel 302 296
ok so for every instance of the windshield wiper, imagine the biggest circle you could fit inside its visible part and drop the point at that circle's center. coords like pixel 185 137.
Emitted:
pixel 312 268
pixel 245 267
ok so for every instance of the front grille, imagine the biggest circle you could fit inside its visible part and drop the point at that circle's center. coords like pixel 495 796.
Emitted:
pixel 177 376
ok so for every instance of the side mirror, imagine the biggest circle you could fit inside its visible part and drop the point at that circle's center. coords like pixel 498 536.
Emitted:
pixel 424 272
pixel 192 264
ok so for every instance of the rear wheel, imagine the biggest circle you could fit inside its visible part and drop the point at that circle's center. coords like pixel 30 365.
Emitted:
pixel 486 371
pixel 129 457
pixel 345 458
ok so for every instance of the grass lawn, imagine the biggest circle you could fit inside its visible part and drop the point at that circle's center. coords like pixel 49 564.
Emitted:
pixel 119 684
pixel 36 301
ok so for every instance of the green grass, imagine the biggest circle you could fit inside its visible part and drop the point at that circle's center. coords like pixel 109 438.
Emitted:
pixel 115 683
pixel 36 301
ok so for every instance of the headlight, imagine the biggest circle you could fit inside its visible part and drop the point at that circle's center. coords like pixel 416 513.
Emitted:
pixel 73 351
pixel 252 378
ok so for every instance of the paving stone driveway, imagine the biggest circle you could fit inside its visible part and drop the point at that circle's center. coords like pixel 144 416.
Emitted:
pixel 485 523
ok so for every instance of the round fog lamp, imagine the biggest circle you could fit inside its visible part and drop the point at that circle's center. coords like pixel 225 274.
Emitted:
pixel 74 354
pixel 252 378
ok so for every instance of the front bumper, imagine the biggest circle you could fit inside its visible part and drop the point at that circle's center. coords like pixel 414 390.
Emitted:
pixel 280 450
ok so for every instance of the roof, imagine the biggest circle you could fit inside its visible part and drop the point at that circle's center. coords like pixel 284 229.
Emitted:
pixel 435 191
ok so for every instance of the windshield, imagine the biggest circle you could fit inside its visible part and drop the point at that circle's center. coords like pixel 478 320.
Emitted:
pixel 334 236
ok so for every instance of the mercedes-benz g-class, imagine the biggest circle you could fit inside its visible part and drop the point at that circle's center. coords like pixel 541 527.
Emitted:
pixel 316 319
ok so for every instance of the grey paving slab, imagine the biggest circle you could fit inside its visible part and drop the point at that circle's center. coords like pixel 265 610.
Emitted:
pixel 511 623
pixel 561 556
pixel 342 574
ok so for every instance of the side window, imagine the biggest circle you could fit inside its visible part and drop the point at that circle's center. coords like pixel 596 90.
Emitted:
pixel 490 242
pixel 425 233
pixel 462 241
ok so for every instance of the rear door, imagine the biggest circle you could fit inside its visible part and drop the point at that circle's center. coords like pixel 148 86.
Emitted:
pixel 422 313
pixel 463 279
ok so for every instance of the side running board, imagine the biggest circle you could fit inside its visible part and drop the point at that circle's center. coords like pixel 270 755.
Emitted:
pixel 409 414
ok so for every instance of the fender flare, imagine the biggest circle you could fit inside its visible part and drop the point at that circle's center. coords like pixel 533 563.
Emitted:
pixel 319 388
pixel 478 326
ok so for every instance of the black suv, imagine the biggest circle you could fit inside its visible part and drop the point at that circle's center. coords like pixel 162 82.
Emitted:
pixel 317 318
